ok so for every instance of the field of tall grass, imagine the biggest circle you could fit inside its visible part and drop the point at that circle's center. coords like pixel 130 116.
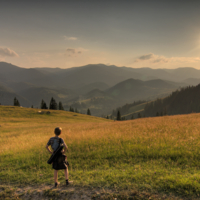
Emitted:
pixel 160 154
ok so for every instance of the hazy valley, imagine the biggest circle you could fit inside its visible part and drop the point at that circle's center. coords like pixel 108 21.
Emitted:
pixel 99 87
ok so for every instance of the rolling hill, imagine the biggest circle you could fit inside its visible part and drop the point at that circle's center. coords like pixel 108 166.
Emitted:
pixel 36 94
pixel 128 91
pixel 7 96
pixel 132 89
pixel 140 158
pixel 183 101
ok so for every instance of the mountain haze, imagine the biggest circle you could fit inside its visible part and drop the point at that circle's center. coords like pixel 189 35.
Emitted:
pixel 96 86
pixel 7 96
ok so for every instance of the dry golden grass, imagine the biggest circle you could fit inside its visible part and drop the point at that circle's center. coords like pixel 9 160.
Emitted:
pixel 153 154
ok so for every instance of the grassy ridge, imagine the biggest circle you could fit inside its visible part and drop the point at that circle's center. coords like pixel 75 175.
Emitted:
pixel 154 154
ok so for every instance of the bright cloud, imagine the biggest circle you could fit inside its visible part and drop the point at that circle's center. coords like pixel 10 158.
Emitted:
pixel 70 38
pixel 4 52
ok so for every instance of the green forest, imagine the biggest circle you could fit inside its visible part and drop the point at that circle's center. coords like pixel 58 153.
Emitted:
pixel 183 101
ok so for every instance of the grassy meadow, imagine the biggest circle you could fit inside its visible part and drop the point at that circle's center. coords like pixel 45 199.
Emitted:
pixel 160 154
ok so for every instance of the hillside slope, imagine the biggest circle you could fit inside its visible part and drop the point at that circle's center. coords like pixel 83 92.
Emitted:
pixel 7 96
pixel 133 89
pixel 158 155
pixel 183 101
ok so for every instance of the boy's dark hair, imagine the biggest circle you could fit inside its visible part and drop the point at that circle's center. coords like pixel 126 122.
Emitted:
pixel 58 130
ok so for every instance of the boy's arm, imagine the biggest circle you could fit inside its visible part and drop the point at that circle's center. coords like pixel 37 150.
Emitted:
pixel 47 147
pixel 65 148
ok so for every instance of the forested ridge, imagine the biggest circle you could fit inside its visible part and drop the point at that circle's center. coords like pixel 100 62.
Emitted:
pixel 125 109
pixel 183 101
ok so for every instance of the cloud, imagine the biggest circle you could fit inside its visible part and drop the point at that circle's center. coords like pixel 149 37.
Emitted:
pixel 74 52
pixel 4 52
pixel 152 58
pixel 70 38
pixel 185 59
pixel 146 57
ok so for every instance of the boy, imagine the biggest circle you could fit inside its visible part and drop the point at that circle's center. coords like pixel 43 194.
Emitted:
pixel 60 161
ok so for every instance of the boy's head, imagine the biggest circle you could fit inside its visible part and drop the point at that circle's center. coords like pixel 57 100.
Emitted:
pixel 58 130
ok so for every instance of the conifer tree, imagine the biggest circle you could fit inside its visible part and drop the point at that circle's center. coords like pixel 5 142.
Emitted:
pixel 53 104
pixel 107 117
pixel 43 105
pixel 139 115
pixel 118 115
pixel 123 118
pixel 16 102
pixel 88 112
pixel 132 117
pixel 60 106
pixel 71 109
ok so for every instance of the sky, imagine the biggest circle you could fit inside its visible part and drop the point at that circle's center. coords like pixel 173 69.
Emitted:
pixel 71 33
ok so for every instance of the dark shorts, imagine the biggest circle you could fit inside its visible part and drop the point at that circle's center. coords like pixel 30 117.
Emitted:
pixel 60 162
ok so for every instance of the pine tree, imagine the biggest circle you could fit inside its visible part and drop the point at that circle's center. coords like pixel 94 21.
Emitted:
pixel 53 104
pixel 60 106
pixel 88 112
pixel 16 102
pixel 43 105
pixel 32 106
pixel 118 115
pixel 139 115
pixel 132 117
pixel 107 117
pixel 123 118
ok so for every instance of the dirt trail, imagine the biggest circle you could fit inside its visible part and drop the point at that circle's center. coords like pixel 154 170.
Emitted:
pixel 75 193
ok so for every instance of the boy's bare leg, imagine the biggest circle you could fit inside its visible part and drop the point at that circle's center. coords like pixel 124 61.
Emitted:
pixel 56 176
pixel 66 173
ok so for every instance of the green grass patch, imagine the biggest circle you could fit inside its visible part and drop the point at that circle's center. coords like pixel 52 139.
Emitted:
pixel 159 154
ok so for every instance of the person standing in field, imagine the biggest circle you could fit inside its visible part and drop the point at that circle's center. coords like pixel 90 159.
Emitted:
pixel 60 161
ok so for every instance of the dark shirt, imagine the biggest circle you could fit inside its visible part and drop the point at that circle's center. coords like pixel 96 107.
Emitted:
pixel 54 142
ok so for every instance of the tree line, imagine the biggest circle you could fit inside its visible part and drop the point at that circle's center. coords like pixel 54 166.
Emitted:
pixel 52 106
pixel 125 109
pixel 183 101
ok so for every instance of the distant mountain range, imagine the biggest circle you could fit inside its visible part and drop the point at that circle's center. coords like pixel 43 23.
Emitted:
pixel 98 87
